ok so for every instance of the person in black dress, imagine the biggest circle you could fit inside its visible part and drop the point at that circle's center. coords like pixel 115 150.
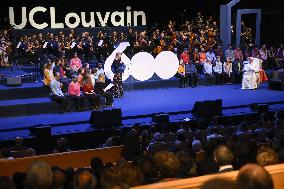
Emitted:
pixel 117 68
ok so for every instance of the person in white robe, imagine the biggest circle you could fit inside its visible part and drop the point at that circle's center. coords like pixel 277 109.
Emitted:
pixel 249 76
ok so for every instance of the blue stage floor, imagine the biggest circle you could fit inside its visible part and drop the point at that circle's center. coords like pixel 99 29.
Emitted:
pixel 141 102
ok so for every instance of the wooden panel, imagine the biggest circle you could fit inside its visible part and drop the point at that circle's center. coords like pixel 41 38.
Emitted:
pixel 73 159
pixel 276 171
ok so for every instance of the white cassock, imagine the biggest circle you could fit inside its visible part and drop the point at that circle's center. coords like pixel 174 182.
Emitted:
pixel 249 75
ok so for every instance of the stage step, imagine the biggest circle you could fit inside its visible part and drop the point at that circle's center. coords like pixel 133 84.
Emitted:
pixel 24 107
pixel 37 90
pixel 31 90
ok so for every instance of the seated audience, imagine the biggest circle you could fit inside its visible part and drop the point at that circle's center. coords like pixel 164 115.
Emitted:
pixel 48 74
pixel 57 94
pixel 191 74
pixel 39 175
pixel 6 183
pixel 229 53
pixel 62 146
pixel 181 75
pixel 75 63
pixel 224 158
pixel 74 93
pixel 84 179
pixel 208 72
pixel 218 70
pixel 168 164
pixel 266 156
pixel 89 93
pixel 227 71
pixel 202 60
pixel 100 89
pixel 58 180
pixel 252 176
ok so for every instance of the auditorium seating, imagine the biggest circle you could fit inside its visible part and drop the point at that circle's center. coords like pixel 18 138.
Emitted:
pixel 73 159
pixel 276 171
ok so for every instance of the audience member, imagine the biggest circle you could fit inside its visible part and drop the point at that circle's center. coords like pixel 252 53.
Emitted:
pixel 252 176
pixel 39 176
pixel 224 158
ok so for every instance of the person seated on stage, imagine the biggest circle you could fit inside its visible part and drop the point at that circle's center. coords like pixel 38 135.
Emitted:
pixel 227 71
pixel 75 63
pixel 74 93
pixel 217 69
pixel 93 76
pixel 185 56
pixel 218 52
pixel 88 90
pixel 211 55
pixel 56 68
pixel 238 55
pixel 48 74
pixel 81 73
pixel 237 71
pixel 57 94
pixel 202 60
pixel 100 89
pixel 100 70
pixel 62 146
pixel 64 68
pixel 195 56
pixel 249 76
pixel 191 74
pixel 181 74
pixel 229 53
pixel 208 72
pixel 261 75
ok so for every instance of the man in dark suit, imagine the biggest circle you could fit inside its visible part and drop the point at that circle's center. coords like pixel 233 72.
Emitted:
pixel 223 156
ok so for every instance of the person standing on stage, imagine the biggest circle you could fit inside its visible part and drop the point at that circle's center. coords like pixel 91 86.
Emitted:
pixel 117 68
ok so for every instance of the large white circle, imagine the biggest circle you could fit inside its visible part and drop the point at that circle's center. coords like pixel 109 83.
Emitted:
pixel 127 63
pixel 142 66
pixel 166 64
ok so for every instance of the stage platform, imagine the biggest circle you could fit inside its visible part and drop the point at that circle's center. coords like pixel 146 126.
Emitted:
pixel 137 107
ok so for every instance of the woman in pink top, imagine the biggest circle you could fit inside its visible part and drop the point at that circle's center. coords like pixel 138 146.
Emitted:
pixel 74 93
pixel 75 63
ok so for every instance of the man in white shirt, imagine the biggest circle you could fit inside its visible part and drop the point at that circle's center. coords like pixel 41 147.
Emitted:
pixel 210 55
pixel 249 75
pixel 217 69
pixel 57 94
pixel 208 72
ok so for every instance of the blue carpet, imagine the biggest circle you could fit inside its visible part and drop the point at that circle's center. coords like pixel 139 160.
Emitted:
pixel 149 101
